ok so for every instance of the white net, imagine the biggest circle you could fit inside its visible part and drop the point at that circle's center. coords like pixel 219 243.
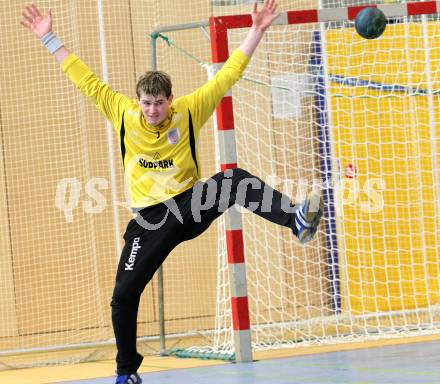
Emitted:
pixel 320 105
pixel 57 240
pixel 63 206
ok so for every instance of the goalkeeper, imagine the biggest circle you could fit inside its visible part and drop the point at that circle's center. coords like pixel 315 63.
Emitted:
pixel 158 141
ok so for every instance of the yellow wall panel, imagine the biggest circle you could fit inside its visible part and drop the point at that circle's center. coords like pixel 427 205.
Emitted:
pixel 389 254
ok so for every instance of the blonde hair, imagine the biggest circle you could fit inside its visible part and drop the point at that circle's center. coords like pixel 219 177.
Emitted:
pixel 154 83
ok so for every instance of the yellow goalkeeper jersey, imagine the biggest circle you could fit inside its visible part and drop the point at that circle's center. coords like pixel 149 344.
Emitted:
pixel 159 162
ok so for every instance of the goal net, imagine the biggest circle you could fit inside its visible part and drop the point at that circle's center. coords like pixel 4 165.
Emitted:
pixel 63 207
pixel 319 105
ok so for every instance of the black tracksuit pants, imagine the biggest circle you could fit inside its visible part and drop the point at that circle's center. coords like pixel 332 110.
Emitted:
pixel 153 234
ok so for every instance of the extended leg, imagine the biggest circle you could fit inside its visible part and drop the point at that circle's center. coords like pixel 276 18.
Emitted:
pixel 237 186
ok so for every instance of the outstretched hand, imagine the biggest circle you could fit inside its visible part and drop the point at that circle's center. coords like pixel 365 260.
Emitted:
pixel 264 18
pixel 35 21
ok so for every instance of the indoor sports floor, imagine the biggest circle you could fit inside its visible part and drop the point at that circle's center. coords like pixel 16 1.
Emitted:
pixel 415 362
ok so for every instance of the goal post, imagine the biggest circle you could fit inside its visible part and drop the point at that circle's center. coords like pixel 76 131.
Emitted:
pixel 233 222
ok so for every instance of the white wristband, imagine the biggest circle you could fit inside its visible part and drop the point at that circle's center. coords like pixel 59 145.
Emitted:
pixel 51 42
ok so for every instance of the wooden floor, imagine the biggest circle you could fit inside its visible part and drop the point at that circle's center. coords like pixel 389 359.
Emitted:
pixel 416 361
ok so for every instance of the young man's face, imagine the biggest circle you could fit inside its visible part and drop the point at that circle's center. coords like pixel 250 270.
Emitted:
pixel 155 108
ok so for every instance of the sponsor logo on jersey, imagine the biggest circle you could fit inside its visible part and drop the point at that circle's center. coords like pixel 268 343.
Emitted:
pixel 160 164
pixel 173 136
pixel 156 162
pixel 133 254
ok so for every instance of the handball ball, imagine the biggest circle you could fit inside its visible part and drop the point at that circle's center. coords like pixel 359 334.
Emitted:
pixel 370 23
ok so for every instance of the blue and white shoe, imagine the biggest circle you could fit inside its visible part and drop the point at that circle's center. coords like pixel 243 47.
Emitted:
pixel 133 378
pixel 307 217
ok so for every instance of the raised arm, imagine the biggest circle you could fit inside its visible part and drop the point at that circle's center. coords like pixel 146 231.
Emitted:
pixel 112 104
pixel 203 100
pixel 261 20
pixel 41 27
